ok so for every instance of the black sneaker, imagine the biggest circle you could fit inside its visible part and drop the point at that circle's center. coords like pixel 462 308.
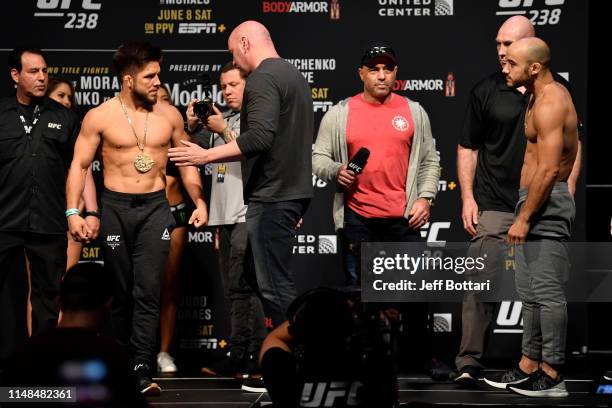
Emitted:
pixel 252 368
pixel 254 385
pixel 607 376
pixel 541 385
pixel 227 367
pixel 145 384
pixel 467 377
pixel 439 371
pixel 511 377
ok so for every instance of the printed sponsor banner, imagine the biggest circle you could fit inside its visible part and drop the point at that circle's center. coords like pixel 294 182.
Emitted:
pixel 444 47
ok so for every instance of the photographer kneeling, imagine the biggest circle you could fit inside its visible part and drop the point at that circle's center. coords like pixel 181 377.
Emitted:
pixel 332 351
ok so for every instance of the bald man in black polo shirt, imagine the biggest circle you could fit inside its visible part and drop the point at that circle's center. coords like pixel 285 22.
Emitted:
pixel 489 160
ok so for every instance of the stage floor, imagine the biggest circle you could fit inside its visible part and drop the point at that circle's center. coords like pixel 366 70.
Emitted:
pixel 415 390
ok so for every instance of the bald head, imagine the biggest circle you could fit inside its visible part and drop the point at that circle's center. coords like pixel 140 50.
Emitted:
pixel 250 43
pixel 256 32
pixel 531 50
pixel 517 26
pixel 513 29
pixel 527 63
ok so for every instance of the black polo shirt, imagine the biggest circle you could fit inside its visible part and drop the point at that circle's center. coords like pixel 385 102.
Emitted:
pixel 494 125
pixel 33 167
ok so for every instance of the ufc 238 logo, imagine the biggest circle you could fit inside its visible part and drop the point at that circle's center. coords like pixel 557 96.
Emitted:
pixel 76 21
pixel 549 14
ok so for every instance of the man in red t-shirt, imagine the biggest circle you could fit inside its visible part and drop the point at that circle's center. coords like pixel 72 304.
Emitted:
pixel 391 199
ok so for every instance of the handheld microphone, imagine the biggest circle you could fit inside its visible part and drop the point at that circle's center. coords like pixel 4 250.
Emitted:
pixel 358 161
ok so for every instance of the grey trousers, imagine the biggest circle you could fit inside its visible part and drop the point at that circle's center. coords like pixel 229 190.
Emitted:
pixel 477 316
pixel 542 270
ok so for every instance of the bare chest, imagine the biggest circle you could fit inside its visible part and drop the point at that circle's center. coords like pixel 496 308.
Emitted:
pixel 144 133
pixel 530 130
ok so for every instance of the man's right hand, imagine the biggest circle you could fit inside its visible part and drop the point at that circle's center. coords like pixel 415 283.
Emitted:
pixel 345 177
pixel 78 228
pixel 192 119
pixel 469 215
pixel 215 122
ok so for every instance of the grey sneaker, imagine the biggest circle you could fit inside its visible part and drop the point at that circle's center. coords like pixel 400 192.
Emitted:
pixel 541 385
pixel 510 377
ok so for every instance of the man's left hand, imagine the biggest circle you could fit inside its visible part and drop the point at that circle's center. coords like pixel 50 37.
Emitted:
pixel 189 154
pixel 419 213
pixel 93 223
pixel 199 217
pixel 518 231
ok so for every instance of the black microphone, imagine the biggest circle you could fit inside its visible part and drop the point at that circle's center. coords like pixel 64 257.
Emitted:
pixel 358 161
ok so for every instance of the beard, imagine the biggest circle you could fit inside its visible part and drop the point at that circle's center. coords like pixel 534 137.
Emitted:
pixel 144 98
pixel 522 80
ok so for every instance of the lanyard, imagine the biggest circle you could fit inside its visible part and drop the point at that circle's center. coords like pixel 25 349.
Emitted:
pixel 26 125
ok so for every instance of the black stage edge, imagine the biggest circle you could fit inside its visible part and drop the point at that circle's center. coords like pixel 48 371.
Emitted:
pixel 415 391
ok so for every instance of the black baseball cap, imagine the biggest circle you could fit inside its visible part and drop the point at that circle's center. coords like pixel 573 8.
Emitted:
pixel 380 53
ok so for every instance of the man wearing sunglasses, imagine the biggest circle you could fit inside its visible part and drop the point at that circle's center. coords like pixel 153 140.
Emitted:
pixel 391 199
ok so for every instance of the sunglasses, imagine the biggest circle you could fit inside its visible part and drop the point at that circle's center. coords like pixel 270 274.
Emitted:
pixel 376 51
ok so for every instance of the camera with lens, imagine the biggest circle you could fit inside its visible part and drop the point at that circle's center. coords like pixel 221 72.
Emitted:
pixel 204 108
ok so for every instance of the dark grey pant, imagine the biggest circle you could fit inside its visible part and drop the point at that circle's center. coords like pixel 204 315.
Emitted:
pixel 477 316
pixel 271 229
pixel 246 310
pixel 136 231
pixel 542 270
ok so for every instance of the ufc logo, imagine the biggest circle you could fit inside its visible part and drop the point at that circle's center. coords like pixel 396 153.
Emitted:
pixel 325 394
pixel 357 169
pixel 527 3
pixel 431 230
pixel 509 318
pixel 54 126
pixel 65 4
pixel 510 314
pixel 113 238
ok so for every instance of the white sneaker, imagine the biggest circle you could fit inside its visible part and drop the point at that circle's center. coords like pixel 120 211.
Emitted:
pixel 165 363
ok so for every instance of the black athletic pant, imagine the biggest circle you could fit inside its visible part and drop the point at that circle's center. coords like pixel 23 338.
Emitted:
pixel 47 256
pixel 136 233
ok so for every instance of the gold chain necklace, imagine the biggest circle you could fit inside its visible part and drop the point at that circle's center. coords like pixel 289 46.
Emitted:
pixel 143 162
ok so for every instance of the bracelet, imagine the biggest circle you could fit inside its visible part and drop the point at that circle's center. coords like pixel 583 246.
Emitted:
pixel 72 211
pixel 94 213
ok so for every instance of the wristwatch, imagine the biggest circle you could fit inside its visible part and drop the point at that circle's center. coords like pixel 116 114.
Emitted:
pixel 430 200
